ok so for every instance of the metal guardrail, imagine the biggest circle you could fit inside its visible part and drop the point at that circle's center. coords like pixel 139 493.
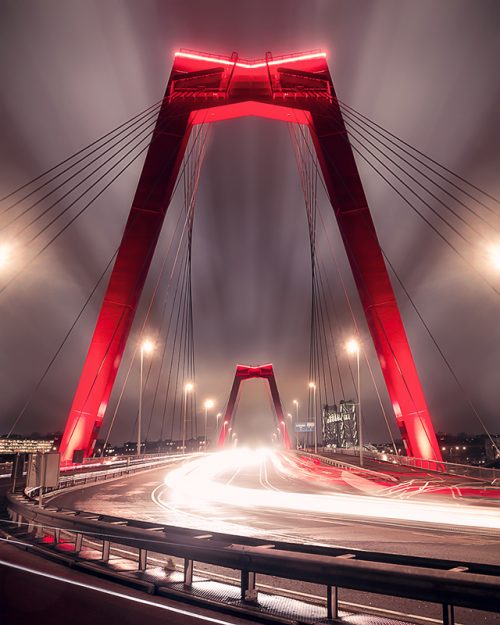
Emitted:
pixel 351 467
pixel 485 474
pixel 445 582
pixel 102 461
pixel 141 463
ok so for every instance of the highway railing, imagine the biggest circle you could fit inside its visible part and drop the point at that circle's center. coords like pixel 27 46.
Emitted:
pixel 446 582
pixel 114 470
pixel 369 473
pixel 485 474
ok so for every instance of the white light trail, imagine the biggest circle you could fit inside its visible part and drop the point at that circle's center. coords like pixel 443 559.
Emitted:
pixel 201 481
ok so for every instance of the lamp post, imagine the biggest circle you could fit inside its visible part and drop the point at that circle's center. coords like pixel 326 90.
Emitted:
pixel 290 416
pixel 188 387
pixel 353 347
pixel 147 346
pixel 295 401
pixel 208 404
pixel 312 386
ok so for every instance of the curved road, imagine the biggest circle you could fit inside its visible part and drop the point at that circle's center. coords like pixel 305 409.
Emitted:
pixel 281 496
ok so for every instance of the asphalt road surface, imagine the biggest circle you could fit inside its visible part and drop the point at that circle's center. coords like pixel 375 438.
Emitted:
pixel 279 497
pixel 187 499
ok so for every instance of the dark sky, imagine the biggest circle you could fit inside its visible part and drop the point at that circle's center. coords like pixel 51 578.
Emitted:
pixel 71 70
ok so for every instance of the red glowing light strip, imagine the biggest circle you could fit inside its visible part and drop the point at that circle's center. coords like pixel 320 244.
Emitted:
pixel 281 61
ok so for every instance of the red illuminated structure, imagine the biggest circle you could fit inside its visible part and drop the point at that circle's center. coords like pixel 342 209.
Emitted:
pixel 243 373
pixel 205 88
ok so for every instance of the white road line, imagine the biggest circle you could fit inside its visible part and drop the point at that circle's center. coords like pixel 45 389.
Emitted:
pixel 113 593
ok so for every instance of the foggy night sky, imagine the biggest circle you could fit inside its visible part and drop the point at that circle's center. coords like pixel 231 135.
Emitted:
pixel 72 70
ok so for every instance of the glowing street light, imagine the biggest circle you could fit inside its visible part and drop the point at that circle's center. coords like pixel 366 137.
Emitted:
pixel 147 347
pixel 353 347
pixel 188 388
pixel 209 403
pixel 312 386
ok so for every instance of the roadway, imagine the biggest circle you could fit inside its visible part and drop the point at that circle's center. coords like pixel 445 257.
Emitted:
pixel 280 496
pixel 275 498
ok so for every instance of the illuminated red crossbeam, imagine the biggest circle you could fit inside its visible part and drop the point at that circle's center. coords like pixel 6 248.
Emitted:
pixel 199 56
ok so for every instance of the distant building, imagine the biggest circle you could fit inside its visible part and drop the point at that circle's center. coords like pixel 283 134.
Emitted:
pixel 16 445
pixel 340 427
pixel 475 449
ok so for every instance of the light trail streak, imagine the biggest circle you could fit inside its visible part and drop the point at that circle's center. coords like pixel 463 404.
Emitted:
pixel 200 481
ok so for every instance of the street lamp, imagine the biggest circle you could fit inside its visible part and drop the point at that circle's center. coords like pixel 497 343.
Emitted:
pixel 352 347
pixel 295 401
pixel 188 387
pixel 147 347
pixel 208 404
pixel 312 386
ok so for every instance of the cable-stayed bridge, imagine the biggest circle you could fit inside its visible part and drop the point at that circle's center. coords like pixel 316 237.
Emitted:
pixel 329 138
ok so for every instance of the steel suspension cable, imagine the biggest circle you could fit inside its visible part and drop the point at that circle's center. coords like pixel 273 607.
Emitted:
pixel 441 352
pixel 408 202
pixel 78 214
pixel 81 151
pixel 190 172
pixel 165 344
pixel 151 247
pixel 435 162
pixel 349 304
pixel 147 122
pixel 354 124
pixel 62 344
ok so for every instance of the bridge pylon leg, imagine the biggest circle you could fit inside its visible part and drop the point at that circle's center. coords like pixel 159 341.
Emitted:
pixel 373 283
pixel 128 276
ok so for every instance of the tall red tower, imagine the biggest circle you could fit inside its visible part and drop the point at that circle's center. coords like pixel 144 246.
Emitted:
pixel 244 372
pixel 204 88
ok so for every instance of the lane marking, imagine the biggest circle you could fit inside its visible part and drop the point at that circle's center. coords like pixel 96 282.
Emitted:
pixel 113 593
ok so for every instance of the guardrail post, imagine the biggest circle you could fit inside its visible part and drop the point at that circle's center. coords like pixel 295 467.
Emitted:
pixel 448 614
pixel 105 550
pixel 143 559
pixel 78 543
pixel 332 602
pixel 188 572
pixel 248 590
